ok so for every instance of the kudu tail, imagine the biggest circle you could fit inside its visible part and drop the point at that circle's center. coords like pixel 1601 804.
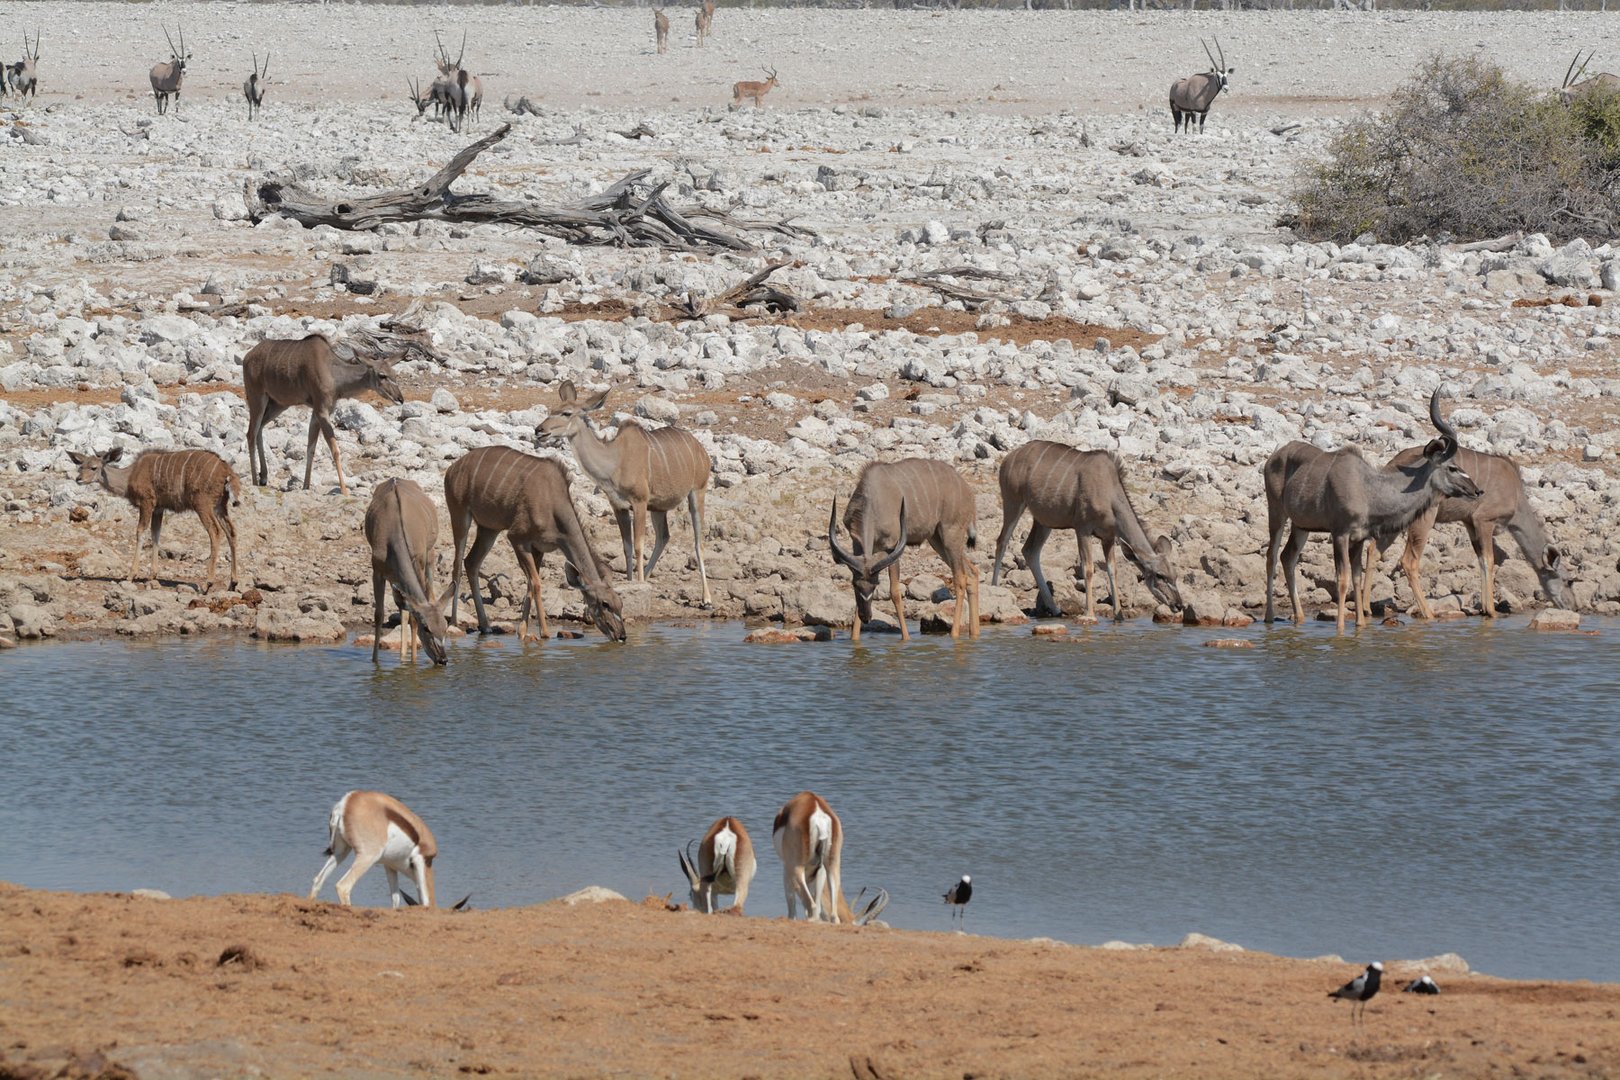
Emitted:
pixel 235 484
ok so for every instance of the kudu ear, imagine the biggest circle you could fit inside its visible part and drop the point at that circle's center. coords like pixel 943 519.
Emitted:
pixel 442 601
pixel 1553 559
pixel 567 393
pixel 77 459
pixel 115 454
pixel 595 401
pixel 1162 546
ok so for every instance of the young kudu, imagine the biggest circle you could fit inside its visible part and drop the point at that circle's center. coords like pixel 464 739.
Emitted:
pixel 501 489
pixel 160 481
pixel 661 30
pixel 1194 95
pixel 1339 493
pixel 24 74
pixel 741 91
pixel 402 527
pixel 1501 504
pixel 809 839
pixel 166 76
pixel 1083 490
pixel 900 504
pixel 378 828
pixel 641 471
pixel 725 866
pixel 253 89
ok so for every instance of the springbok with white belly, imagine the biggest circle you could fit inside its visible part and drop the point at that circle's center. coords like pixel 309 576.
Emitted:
pixel 253 89
pixel 1194 95
pixel 378 828
pixel 166 77
pixel 725 866
pixel 401 527
pixel 809 839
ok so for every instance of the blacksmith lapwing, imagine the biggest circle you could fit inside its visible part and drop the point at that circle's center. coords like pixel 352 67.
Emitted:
pixel 1425 985
pixel 1360 990
pixel 958 896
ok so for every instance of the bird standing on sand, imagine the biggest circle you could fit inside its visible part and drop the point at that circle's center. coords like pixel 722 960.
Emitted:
pixel 958 896
pixel 1359 990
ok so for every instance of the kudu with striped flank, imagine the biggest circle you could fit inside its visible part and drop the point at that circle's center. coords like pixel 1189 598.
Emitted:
pixel 641 471
pixel 462 92
pixel 1193 95
pixel 725 866
pixel 1575 86
pixel 166 77
pixel 661 30
pixel 741 91
pixel 378 828
pixel 171 481
pixel 1503 504
pixel 809 839
pixel 504 490
pixel 253 89
pixel 1339 493
pixel 24 74
pixel 402 527
pixel 900 504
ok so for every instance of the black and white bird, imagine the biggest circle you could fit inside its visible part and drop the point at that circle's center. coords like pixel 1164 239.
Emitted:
pixel 1360 990
pixel 958 896
pixel 1425 985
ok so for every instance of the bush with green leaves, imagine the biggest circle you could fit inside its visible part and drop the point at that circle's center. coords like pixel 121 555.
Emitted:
pixel 1464 151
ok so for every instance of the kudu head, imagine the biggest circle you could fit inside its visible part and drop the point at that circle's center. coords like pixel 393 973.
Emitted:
pixel 1157 572
pixel 570 420
pixel 1440 459
pixel 1217 68
pixel 864 564
pixel 1554 571
pixel 93 467
pixel 380 377
pixel 431 624
pixel 601 602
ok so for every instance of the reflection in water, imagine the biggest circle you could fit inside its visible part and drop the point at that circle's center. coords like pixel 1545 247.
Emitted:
pixel 1388 794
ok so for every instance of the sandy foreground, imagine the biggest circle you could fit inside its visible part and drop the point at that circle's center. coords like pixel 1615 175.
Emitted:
pixel 115 986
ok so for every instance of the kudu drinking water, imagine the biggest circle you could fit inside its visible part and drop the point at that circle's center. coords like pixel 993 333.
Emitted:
pixel 402 527
pixel 809 839
pixel 725 865
pixel 501 489
pixel 1083 490
pixel 166 76
pixel 162 481
pixel 24 74
pixel 253 89
pixel 1338 492
pixel 1193 95
pixel 641 471
pixel 903 503
pixel 661 30
pixel 742 91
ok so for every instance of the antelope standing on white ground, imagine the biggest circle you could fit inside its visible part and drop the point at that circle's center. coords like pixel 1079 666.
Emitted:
pixel 725 866
pixel 1083 490
pixel 705 17
pixel 661 30
pixel 641 471
pixel 161 481
pixel 1502 503
pixel 24 74
pixel 253 89
pixel 899 504
pixel 378 828
pixel 501 489
pixel 1193 95
pixel 1338 492
pixel 809 839
pixel 462 92
pixel 166 77
pixel 741 91
pixel 402 527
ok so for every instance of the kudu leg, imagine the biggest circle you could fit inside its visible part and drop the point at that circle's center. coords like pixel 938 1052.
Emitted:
pixel 694 506
pixel 1111 564
pixel 211 523
pixel 475 560
pixel 1290 562
pixel 1342 571
pixel 1033 545
pixel 229 528
pixel 1485 551
pixel 141 528
pixel 1412 562
pixel 660 524
pixel 531 575
pixel 899 597
pixel 1011 511
pixel 157 536
pixel 309 453
pixel 627 535
pixel 1087 567
pixel 337 459
pixel 638 525
pixel 378 591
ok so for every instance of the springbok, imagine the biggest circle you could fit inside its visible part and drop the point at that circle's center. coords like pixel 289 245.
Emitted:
pixel 378 828
pixel 1575 86
pixel 166 76
pixel 1194 95
pixel 463 92
pixel 278 374
pixel 705 18
pixel 661 30
pixel 1083 490
pixel 809 839
pixel 25 72
pixel 501 489
pixel 1339 493
pixel 1503 504
pixel 900 504
pixel 402 527
pixel 725 866
pixel 640 470
pixel 160 481
pixel 751 89
pixel 253 89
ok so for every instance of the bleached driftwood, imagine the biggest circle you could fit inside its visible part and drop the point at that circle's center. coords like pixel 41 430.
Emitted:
pixel 736 301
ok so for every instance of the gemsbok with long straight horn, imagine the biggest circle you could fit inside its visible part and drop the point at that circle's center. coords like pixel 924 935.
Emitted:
pixel 171 481
pixel 1083 490
pixel 253 89
pixel 378 828
pixel 661 30
pixel 809 839
pixel 642 471
pixel 504 490
pixel 1193 95
pixel 1339 493
pixel 1575 86
pixel 724 867
pixel 402 527
pixel 24 74
pixel 749 88
pixel 166 77
pixel 900 504
pixel 1502 504
pixel 463 92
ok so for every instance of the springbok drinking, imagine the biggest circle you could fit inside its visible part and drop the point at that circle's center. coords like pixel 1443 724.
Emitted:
pixel 378 828
pixel 725 866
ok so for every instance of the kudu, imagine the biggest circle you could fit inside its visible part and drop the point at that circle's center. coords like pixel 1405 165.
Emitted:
pixel 1575 86
pixel 1339 493
pixel 378 828
pixel 661 30
pixel 171 481
pixel 809 839
pixel 725 865
pixel 24 74
pixel 1194 95
pixel 166 76
pixel 1502 504
pixel 253 89
pixel 705 18
pixel 501 489
pixel 741 91
pixel 900 504
pixel 641 471
pixel 1083 490
pixel 463 92
pixel 402 527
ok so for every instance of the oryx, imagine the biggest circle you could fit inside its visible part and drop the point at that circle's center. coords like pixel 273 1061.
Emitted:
pixel 1194 95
